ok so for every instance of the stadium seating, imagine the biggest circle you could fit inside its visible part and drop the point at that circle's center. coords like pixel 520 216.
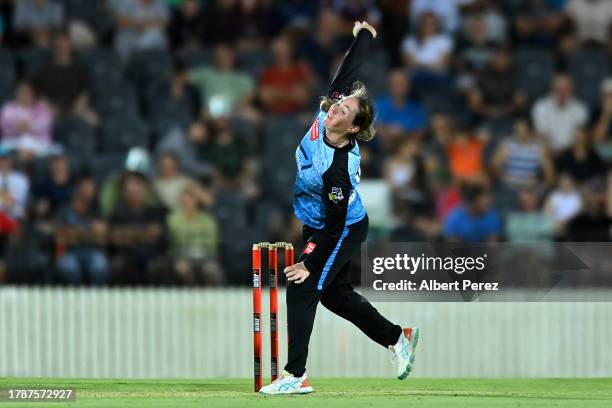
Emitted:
pixel 148 66
pixel 373 71
pixel 121 133
pixel 534 69
pixel 195 57
pixel 7 75
pixel 103 165
pixel 31 60
pixel 281 136
pixel 589 67
pixel 115 98
pixel 254 61
pixel 77 137
pixel 103 63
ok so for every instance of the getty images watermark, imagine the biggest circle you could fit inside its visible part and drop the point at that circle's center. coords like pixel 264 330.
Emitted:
pixel 413 264
pixel 534 271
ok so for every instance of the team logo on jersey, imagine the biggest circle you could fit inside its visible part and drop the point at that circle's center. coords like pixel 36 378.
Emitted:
pixel 314 130
pixel 336 195
pixel 309 248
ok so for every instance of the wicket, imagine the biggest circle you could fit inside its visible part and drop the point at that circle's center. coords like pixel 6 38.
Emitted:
pixel 273 285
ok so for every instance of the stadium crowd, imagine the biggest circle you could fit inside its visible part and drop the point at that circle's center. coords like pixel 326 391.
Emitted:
pixel 152 141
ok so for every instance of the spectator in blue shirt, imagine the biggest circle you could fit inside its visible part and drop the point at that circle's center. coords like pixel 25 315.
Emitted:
pixel 475 220
pixel 397 112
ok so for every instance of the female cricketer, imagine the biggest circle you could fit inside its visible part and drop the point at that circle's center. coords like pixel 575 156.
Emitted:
pixel 335 224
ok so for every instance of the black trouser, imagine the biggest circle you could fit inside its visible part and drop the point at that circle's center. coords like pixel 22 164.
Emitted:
pixel 336 295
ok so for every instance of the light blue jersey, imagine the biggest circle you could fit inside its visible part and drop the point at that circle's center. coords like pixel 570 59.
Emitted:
pixel 314 157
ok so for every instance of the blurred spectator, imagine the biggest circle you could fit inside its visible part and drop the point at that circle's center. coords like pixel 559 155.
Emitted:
pixel 285 85
pixel 138 160
pixel 593 224
pixel 520 160
pixel 170 183
pixel 497 95
pixel 427 53
pixel 14 187
pixel 137 231
pixel 80 238
pixel 26 123
pixel 592 18
pixel 537 24
pixel 191 146
pixel 194 237
pixel 464 153
pixel 222 22
pixel 608 178
pixel 140 26
pixel 225 91
pixel 404 172
pixel 187 26
pixel 230 158
pixel 447 11
pixel 37 19
pixel 65 83
pixel 357 10
pixel 602 132
pixel 528 223
pixel 558 115
pixel 417 224
pixel 7 226
pixel 563 203
pixel 55 190
pixel 393 27
pixel 477 48
pixel 398 112
pixel 446 194
pixel 299 11
pixel 580 160
pixel 495 22
pixel 441 128
pixel 176 93
pixel 567 44
pixel 260 20
pixel 475 220
pixel 319 48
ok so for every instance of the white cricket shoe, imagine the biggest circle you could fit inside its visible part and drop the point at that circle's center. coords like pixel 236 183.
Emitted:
pixel 288 384
pixel 403 351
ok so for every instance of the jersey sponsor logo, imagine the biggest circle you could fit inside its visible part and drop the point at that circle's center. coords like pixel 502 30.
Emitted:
pixel 309 248
pixel 336 195
pixel 314 130
pixel 352 196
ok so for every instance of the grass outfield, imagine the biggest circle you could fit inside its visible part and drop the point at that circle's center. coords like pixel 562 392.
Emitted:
pixel 330 393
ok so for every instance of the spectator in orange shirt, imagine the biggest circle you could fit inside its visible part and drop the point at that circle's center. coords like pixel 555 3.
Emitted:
pixel 465 155
pixel 285 85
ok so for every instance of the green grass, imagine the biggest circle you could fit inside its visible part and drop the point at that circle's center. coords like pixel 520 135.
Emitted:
pixel 330 393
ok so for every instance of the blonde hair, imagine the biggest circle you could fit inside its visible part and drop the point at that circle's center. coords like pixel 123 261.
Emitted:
pixel 364 118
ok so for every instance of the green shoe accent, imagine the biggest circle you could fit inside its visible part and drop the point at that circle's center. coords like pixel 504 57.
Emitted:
pixel 413 343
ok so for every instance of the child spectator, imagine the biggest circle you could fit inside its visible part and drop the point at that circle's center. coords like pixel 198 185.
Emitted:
pixel 194 240
pixel 563 203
